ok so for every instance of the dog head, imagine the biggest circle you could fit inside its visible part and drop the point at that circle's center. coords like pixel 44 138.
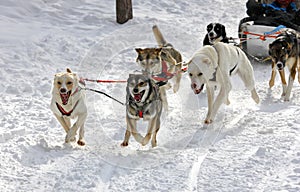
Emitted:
pixel 65 84
pixel 280 50
pixel 201 69
pixel 215 32
pixel 138 87
pixel 149 59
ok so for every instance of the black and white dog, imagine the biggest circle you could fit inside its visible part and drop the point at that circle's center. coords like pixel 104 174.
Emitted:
pixel 215 33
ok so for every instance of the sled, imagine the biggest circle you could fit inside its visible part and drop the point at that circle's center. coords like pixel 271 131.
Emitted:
pixel 255 38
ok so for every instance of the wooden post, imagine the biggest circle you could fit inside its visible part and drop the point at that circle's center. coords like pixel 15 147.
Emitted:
pixel 124 10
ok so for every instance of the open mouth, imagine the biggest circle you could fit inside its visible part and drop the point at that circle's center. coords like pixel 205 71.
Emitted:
pixel 65 97
pixel 138 96
pixel 197 91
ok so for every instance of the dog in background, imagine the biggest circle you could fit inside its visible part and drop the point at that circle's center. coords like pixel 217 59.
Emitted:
pixel 284 51
pixel 68 102
pixel 215 33
pixel 163 63
pixel 212 66
pixel 143 102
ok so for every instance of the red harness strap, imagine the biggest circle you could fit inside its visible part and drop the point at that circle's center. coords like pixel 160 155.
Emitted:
pixel 165 75
pixel 63 111
pixel 141 114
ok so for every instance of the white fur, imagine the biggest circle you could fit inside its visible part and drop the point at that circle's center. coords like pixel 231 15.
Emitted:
pixel 217 61
pixel 79 112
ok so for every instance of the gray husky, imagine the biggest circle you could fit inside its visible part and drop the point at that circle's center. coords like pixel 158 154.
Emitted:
pixel 143 102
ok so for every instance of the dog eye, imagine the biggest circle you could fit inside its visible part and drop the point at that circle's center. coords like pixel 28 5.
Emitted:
pixel 59 82
pixel 190 75
pixel 141 84
pixel 69 83
pixel 199 74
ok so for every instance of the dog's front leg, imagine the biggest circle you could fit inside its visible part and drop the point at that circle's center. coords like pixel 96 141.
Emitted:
pixel 283 82
pixel 298 69
pixel 163 95
pixel 273 75
pixel 78 124
pixel 178 76
pixel 131 126
pixel 151 126
pixel 290 84
pixel 219 100
pixel 210 99
pixel 61 120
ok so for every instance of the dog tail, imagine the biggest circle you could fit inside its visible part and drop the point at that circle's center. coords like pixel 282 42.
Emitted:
pixel 160 38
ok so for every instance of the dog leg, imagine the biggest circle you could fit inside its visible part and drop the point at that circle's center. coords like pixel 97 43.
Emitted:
pixel 131 126
pixel 177 78
pixel 290 84
pixel 210 99
pixel 126 139
pixel 248 79
pixel 81 141
pixel 298 69
pixel 284 85
pixel 61 120
pixel 163 95
pixel 78 124
pixel 151 125
pixel 219 100
pixel 273 75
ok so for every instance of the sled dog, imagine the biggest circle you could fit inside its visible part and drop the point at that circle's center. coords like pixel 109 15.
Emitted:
pixel 212 66
pixel 284 51
pixel 143 102
pixel 215 33
pixel 68 102
pixel 163 63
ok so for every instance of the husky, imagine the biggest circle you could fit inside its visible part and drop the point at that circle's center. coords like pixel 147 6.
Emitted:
pixel 163 63
pixel 212 66
pixel 215 33
pixel 68 102
pixel 143 102
pixel 284 51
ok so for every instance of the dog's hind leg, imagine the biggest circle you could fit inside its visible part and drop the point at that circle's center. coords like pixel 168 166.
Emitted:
pixel 247 77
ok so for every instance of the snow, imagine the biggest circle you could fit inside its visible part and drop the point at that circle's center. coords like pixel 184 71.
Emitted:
pixel 249 147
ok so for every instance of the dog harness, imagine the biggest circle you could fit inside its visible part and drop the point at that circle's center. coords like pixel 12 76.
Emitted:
pixel 230 71
pixel 63 111
pixel 140 110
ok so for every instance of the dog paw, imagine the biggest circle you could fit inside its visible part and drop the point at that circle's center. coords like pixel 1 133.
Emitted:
pixel 81 142
pixel 208 121
pixel 124 144
pixel 271 84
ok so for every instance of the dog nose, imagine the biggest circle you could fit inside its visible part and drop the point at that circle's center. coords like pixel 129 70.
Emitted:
pixel 280 65
pixel 63 90
pixel 193 85
pixel 135 90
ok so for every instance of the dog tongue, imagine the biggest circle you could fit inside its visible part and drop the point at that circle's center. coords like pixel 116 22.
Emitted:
pixel 64 98
pixel 137 97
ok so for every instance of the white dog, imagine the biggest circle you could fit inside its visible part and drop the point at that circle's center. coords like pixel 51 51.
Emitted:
pixel 68 102
pixel 213 66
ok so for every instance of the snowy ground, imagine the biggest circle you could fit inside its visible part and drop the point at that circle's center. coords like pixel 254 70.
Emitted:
pixel 249 147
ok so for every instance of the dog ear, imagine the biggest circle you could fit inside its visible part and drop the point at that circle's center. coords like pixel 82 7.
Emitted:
pixel 69 70
pixel 158 50
pixel 139 50
pixel 223 31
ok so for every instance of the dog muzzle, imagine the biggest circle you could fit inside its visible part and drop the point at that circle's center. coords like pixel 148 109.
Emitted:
pixel 280 65
pixel 64 95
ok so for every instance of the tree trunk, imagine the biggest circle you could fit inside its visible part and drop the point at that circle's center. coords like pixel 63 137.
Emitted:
pixel 124 10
